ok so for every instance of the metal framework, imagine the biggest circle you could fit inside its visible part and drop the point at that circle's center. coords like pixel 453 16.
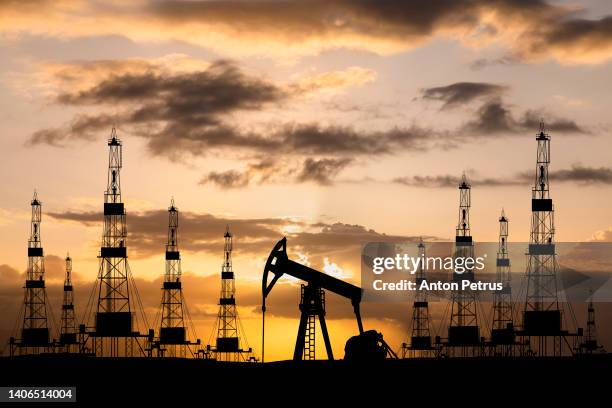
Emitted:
pixel 173 340
pixel 68 327
pixel 502 331
pixel 590 344
pixel 34 327
pixel 420 339
pixel 463 332
pixel 542 312
pixel 114 333
pixel 228 342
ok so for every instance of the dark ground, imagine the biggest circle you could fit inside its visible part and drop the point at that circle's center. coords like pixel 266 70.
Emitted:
pixel 176 382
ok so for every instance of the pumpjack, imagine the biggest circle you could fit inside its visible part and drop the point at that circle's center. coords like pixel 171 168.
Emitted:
pixel 368 345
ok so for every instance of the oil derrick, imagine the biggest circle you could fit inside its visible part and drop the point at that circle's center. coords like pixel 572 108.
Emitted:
pixel 34 328
pixel 420 340
pixel 463 332
pixel 114 333
pixel 229 336
pixel 590 344
pixel 502 331
pixel 68 326
pixel 542 313
pixel 173 340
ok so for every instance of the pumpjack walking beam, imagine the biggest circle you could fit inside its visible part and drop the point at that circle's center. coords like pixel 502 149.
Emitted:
pixel 279 264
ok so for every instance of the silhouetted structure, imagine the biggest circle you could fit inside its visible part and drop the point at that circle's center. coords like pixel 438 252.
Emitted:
pixel 420 340
pixel 542 313
pixel 115 333
pixel 590 344
pixel 68 327
pixel 34 327
pixel 228 345
pixel 463 332
pixel 502 331
pixel 368 345
pixel 173 337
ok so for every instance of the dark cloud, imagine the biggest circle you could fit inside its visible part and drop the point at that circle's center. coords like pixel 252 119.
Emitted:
pixel 264 170
pixel 175 112
pixel 576 174
pixel 220 88
pixel 544 29
pixel 531 30
pixel 575 39
pixel 461 93
pixel 322 171
pixel 482 63
pixel 401 21
pixel 584 175
pixel 532 118
pixel 315 139
pixel 226 179
pixel 491 118
pixel 199 232
pixel 192 113
pixel 204 232
pixel 444 181
pixel 495 117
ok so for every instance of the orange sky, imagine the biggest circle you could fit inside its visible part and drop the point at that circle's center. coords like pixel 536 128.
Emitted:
pixel 331 122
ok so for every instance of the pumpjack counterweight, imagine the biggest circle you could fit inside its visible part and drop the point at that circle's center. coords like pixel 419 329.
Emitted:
pixel 34 327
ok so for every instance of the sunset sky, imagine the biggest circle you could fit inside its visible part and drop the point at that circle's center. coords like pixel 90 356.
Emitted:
pixel 333 123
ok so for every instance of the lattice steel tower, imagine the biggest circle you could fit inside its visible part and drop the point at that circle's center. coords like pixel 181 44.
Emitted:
pixel 420 339
pixel 502 331
pixel 542 318
pixel 35 329
pixel 463 331
pixel 173 331
pixel 68 326
pixel 228 335
pixel 590 344
pixel 114 334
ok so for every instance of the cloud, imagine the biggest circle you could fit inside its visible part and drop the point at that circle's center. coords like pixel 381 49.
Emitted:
pixel 167 104
pixel 532 118
pixel 199 232
pixel 203 232
pixel 446 181
pixel 490 118
pixel 350 77
pixel 316 139
pixel 226 179
pixel 496 117
pixel 534 30
pixel 193 112
pixel 577 173
pixel 461 93
pixel 322 171
pixel 571 40
pixel 583 175
pixel 482 63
